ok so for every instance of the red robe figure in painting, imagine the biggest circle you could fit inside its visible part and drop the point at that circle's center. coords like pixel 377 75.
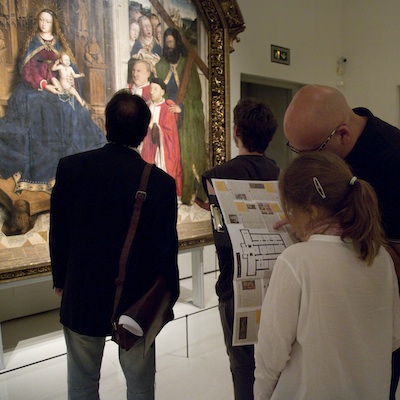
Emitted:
pixel 161 144
pixel 142 91
pixel 140 74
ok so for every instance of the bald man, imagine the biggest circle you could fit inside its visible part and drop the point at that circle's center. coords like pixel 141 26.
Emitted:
pixel 319 118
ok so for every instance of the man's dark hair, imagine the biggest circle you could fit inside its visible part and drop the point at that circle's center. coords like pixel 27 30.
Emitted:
pixel 127 118
pixel 172 55
pixel 255 124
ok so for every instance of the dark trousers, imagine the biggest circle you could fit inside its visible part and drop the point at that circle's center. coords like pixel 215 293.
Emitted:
pixel 395 374
pixel 241 358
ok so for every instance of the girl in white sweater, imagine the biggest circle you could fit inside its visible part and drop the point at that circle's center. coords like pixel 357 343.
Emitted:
pixel 331 316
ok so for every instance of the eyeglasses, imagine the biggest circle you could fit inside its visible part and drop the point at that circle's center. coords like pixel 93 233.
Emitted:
pixel 316 149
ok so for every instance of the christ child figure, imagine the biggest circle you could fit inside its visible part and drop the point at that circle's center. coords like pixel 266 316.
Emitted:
pixel 66 81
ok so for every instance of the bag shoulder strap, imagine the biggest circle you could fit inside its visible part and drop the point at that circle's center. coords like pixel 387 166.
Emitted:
pixel 140 197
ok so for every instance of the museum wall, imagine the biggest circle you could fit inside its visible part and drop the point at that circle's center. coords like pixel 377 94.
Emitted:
pixel 318 33
pixel 371 38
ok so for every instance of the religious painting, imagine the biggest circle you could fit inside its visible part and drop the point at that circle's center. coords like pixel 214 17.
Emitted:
pixel 62 60
pixel 169 41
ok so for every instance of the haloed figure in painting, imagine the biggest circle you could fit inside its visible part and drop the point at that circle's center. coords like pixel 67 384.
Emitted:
pixel 39 127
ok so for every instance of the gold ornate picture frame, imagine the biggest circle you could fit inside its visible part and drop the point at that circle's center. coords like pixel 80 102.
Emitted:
pixel 28 254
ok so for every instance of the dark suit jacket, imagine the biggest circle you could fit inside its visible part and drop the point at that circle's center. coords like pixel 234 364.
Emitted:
pixel 91 207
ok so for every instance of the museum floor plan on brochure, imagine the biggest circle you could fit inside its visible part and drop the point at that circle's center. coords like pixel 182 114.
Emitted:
pixel 250 209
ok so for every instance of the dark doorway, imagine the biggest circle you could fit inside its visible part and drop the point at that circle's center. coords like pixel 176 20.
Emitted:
pixel 277 95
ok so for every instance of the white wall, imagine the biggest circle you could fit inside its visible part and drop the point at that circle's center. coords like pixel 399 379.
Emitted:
pixel 372 36
pixel 318 33
pixel 309 28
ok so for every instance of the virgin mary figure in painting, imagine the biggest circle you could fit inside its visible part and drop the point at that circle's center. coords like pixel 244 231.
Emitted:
pixel 42 125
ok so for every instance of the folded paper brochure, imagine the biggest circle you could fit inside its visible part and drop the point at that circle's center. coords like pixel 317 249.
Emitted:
pixel 130 325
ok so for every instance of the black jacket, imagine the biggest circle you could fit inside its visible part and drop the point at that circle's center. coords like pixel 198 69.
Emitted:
pixel 91 207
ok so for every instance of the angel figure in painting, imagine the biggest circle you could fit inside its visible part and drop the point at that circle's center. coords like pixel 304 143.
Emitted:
pixel 146 46
pixel 134 31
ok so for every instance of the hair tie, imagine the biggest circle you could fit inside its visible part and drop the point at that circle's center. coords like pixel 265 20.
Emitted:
pixel 319 187
pixel 352 180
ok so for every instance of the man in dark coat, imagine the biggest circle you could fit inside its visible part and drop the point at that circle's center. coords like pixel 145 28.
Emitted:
pixel 319 118
pixel 91 208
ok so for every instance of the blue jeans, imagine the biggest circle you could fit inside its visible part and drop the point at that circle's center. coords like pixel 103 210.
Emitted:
pixel 84 356
pixel 241 358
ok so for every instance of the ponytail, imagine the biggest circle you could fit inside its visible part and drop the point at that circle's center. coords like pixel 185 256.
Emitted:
pixel 324 180
pixel 360 220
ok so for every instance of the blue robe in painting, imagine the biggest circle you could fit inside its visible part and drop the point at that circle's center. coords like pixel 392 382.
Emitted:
pixel 40 127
